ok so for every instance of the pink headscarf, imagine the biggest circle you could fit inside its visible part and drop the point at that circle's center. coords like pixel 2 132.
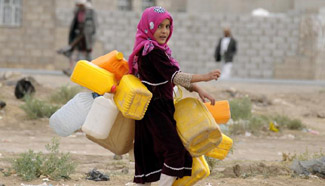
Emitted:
pixel 150 20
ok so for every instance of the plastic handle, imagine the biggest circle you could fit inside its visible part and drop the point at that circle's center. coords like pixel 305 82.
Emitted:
pixel 119 55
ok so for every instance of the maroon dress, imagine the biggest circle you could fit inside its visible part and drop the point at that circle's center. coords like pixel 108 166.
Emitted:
pixel 158 148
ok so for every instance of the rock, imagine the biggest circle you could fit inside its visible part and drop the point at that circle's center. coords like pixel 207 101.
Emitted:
pixel 125 170
pixel 2 104
pixel 236 170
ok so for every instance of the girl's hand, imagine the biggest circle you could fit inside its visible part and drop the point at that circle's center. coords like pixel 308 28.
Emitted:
pixel 215 74
pixel 203 95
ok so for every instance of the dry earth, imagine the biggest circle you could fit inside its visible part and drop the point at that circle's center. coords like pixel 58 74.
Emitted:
pixel 256 159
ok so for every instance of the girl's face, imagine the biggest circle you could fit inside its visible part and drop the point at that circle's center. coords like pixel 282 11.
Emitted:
pixel 162 32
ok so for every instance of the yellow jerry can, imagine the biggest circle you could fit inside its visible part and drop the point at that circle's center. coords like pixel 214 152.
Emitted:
pixel 132 97
pixel 93 77
pixel 196 127
pixel 120 138
pixel 220 111
pixel 200 170
pixel 221 151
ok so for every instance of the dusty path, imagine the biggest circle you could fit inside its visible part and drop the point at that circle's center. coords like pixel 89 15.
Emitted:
pixel 305 102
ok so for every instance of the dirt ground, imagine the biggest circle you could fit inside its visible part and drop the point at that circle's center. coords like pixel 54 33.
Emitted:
pixel 257 158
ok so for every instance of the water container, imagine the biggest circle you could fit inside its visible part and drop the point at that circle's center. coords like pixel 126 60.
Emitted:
pixel 200 170
pixel 93 77
pixel 220 111
pixel 113 62
pixel 196 127
pixel 71 116
pixel 132 97
pixel 120 138
pixel 221 151
pixel 101 117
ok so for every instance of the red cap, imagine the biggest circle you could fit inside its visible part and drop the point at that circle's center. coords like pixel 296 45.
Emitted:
pixel 113 89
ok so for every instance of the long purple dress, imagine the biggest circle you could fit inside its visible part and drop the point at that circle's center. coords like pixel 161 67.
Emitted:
pixel 158 148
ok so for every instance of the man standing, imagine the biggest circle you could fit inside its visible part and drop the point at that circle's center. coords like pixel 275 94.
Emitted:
pixel 226 50
pixel 81 34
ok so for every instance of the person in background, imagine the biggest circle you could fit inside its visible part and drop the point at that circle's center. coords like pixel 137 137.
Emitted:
pixel 225 51
pixel 81 34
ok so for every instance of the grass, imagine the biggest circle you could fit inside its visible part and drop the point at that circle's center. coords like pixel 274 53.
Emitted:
pixel 35 108
pixel 211 162
pixel 245 121
pixel 305 156
pixel 54 165
pixel 240 108
pixel 286 122
pixel 64 94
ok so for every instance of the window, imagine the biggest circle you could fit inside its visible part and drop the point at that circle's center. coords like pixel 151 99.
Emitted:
pixel 124 4
pixel 148 3
pixel 10 12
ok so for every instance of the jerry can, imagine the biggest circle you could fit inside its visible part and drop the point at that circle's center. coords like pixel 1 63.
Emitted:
pixel 101 117
pixel 93 77
pixel 221 151
pixel 71 116
pixel 113 62
pixel 200 170
pixel 120 138
pixel 220 111
pixel 196 127
pixel 132 97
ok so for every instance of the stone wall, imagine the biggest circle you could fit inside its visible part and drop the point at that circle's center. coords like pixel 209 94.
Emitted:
pixel 283 46
pixel 32 43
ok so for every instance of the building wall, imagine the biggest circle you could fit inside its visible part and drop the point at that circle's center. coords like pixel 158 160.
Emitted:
pixel 246 6
pixel 268 47
pixel 32 42
pixel 238 6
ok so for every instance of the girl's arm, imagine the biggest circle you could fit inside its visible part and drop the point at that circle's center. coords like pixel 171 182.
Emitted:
pixel 205 77
pixel 188 80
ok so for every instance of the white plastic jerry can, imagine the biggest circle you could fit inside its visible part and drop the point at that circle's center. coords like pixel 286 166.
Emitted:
pixel 101 117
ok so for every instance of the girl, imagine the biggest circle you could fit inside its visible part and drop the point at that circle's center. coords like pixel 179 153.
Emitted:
pixel 158 150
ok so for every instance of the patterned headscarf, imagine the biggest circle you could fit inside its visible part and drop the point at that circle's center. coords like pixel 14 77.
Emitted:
pixel 149 22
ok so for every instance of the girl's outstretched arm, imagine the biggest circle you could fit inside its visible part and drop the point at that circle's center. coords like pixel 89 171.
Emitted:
pixel 213 75
pixel 188 80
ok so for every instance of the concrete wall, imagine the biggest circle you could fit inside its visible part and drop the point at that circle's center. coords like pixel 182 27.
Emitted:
pixel 32 43
pixel 246 6
pixel 279 46
pixel 238 6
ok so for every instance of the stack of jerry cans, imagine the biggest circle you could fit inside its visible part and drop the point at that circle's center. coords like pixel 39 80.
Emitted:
pixel 132 97
pixel 196 127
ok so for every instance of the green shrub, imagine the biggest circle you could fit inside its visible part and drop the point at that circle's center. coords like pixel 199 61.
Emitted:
pixel 64 94
pixel 295 125
pixel 241 108
pixel 54 165
pixel 28 165
pixel 238 127
pixel 256 123
pixel 211 162
pixel 57 165
pixel 286 122
pixel 35 108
